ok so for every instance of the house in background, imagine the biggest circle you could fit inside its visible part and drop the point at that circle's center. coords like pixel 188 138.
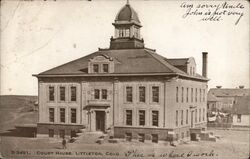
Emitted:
pixel 214 104
pixel 241 112
pixel 222 99
pixel 127 90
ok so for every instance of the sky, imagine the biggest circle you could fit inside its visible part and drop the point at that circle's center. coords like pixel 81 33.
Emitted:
pixel 39 35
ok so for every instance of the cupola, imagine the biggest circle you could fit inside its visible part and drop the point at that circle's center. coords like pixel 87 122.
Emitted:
pixel 127 29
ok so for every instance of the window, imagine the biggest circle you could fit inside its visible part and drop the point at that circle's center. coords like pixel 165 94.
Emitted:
pixel 73 133
pixel 95 68
pixel 203 95
pixel 182 94
pixel 127 32
pixel 187 95
pixel 73 93
pixel 196 115
pixel 123 32
pixel 141 137
pixel 181 117
pixel 142 94
pixel 51 133
pixel 200 95
pixel 155 138
pixel 187 116
pixel 155 118
pixel 129 94
pixel 196 93
pixel 61 133
pixel 203 114
pixel 73 115
pixel 97 93
pixel 62 115
pixel 62 93
pixel 155 92
pixel 177 94
pixel 187 133
pixel 199 115
pixel 238 118
pixel 128 136
pixel 176 118
pixel 192 94
pixel 51 114
pixel 128 117
pixel 141 117
pixel 51 93
pixel 136 32
pixel 105 68
pixel 104 94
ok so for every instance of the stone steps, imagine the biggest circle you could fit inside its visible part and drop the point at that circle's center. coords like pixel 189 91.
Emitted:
pixel 207 136
pixel 88 137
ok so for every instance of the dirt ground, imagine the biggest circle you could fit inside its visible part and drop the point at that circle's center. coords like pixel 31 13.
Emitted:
pixel 232 145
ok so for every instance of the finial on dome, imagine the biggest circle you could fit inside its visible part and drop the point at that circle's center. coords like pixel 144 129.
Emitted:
pixel 127 2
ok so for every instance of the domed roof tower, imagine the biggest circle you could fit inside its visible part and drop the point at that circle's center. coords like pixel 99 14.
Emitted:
pixel 127 30
pixel 127 13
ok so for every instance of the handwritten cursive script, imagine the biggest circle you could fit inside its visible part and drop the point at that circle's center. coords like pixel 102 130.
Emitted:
pixel 213 12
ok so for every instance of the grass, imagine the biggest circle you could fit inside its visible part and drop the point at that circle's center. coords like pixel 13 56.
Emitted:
pixel 16 110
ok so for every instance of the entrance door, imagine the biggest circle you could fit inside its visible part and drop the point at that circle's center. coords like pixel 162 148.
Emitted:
pixel 100 121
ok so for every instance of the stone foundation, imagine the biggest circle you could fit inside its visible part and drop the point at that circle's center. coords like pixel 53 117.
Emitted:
pixel 43 129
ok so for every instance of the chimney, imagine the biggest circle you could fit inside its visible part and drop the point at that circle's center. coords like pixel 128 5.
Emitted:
pixel 218 87
pixel 241 86
pixel 204 64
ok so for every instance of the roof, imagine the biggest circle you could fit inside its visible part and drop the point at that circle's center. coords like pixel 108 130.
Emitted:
pixel 241 105
pixel 178 62
pixel 228 92
pixel 127 13
pixel 126 61
pixel 212 98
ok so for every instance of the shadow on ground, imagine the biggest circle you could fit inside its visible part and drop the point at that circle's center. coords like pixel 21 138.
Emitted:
pixel 20 132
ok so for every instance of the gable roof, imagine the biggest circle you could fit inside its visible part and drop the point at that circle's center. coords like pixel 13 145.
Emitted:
pixel 228 92
pixel 241 105
pixel 178 62
pixel 212 98
pixel 127 61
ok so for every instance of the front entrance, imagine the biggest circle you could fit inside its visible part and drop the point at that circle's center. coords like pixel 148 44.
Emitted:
pixel 100 121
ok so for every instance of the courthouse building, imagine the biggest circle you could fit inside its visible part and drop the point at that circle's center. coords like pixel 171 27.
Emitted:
pixel 127 90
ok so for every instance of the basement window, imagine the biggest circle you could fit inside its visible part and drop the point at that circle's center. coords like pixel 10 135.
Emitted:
pixel 62 133
pixel 155 138
pixel 128 136
pixel 141 137
pixel 239 118
pixel 51 133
